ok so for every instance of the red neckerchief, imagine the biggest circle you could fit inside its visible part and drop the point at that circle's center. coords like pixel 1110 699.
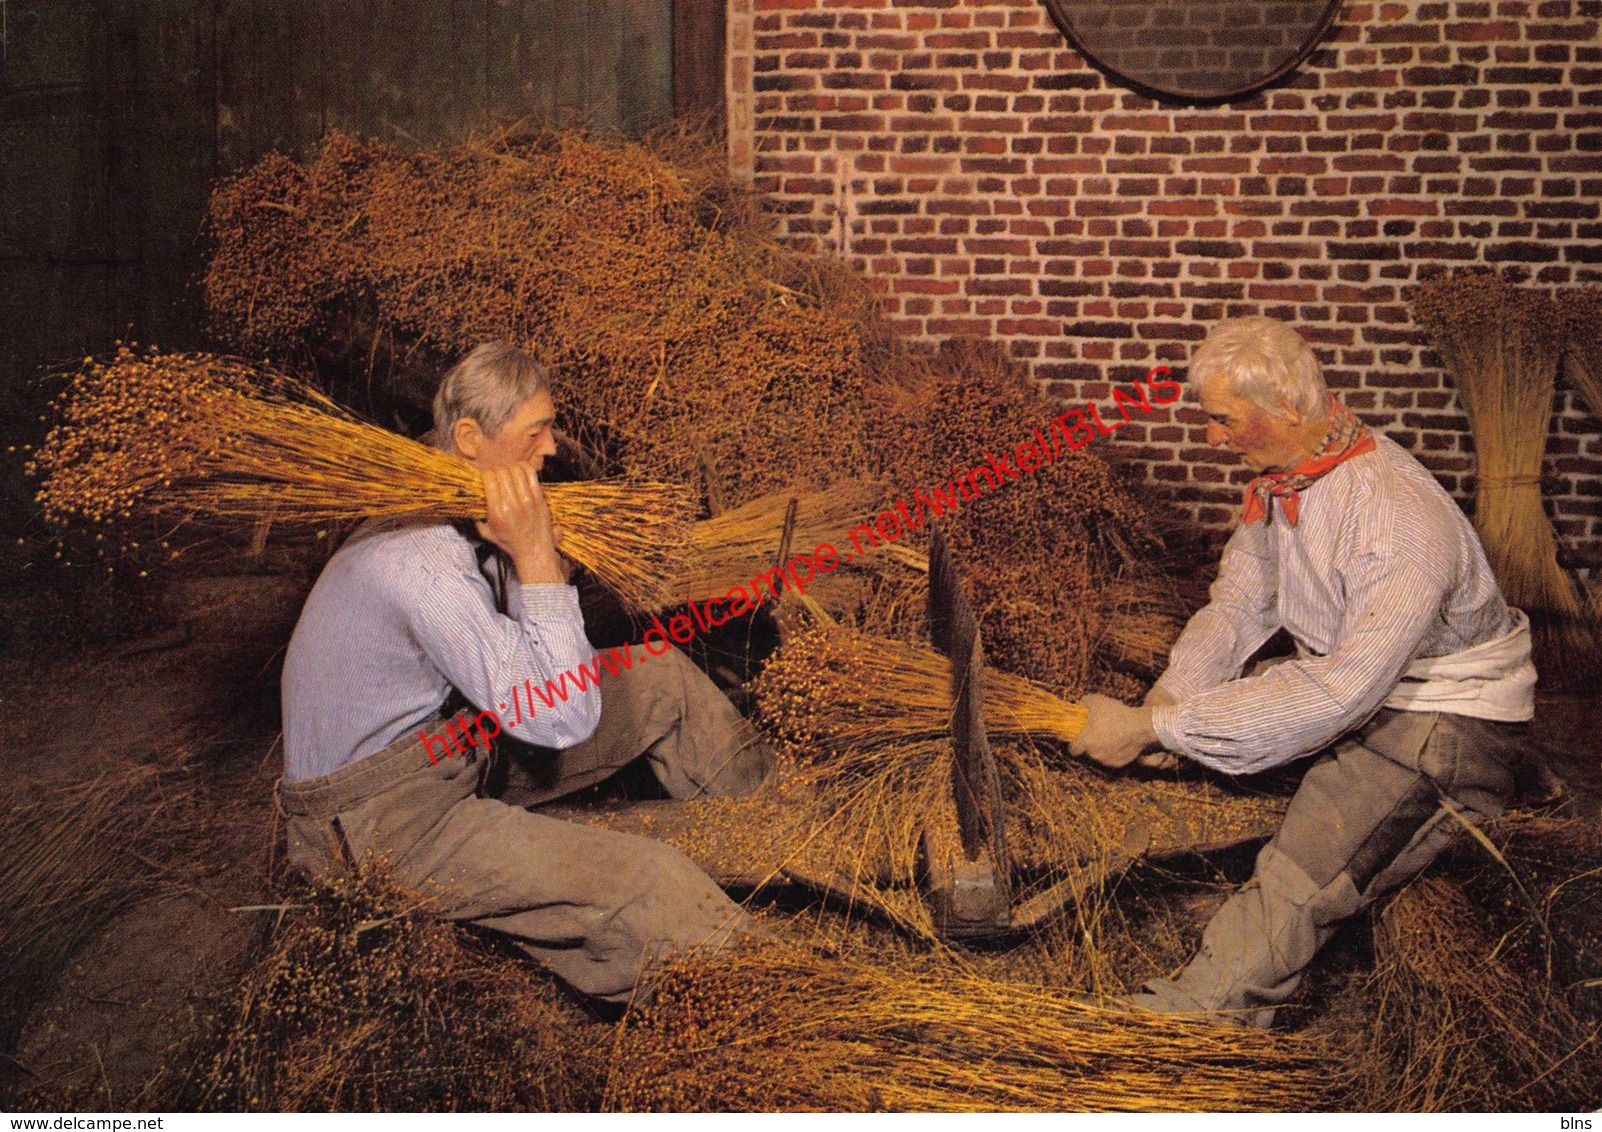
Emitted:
pixel 1347 437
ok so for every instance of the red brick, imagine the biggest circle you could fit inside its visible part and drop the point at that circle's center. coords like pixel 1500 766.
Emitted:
pixel 1086 205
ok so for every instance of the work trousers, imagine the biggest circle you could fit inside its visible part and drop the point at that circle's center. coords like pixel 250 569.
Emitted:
pixel 1369 816
pixel 596 907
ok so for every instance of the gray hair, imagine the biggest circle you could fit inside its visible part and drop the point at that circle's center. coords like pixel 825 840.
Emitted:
pixel 1262 359
pixel 487 386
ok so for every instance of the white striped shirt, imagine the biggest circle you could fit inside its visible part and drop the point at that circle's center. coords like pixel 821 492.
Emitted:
pixel 400 615
pixel 1382 569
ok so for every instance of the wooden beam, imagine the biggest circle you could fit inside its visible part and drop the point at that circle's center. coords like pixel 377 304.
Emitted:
pixel 698 30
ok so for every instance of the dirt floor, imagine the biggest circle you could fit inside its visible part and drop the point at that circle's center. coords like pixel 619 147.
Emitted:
pixel 192 708
pixel 195 702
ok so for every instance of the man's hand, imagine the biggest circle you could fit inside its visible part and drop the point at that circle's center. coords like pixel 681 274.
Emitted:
pixel 520 523
pixel 1115 734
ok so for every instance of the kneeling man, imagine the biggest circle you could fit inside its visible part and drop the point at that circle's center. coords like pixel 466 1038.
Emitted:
pixel 1411 673
pixel 419 629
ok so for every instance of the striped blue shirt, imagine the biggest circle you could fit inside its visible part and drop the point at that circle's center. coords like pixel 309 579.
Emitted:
pixel 1381 570
pixel 400 615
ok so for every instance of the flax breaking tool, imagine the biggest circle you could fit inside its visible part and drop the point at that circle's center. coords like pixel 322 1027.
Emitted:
pixel 965 870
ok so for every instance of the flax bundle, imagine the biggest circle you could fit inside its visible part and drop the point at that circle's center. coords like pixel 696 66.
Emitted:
pixel 67 867
pixel 1502 345
pixel 1582 354
pixel 773 1027
pixel 740 544
pixel 201 436
pixel 844 690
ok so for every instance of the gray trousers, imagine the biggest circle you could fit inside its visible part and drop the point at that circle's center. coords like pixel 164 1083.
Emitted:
pixel 1369 816
pixel 596 907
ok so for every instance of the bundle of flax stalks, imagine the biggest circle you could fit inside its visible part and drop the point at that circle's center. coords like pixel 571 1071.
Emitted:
pixel 207 437
pixel 773 1027
pixel 1582 348
pixel 744 543
pixel 1502 345
pixel 835 689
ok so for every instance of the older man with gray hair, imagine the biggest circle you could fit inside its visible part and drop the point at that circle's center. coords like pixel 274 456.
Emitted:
pixel 417 626
pixel 1411 674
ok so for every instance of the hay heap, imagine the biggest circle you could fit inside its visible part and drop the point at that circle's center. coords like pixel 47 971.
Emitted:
pixel 196 436
pixel 685 343
pixel 777 1028
pixel 1502 345
pixel 362 1002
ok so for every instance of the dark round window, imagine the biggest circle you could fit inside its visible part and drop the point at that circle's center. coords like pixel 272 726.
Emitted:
pixel 1194 50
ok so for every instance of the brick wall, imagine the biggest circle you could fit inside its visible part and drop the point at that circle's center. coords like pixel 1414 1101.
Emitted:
pixel 992 183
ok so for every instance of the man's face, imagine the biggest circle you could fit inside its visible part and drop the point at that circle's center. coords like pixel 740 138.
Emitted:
pixel 1268 442
pixel 526 438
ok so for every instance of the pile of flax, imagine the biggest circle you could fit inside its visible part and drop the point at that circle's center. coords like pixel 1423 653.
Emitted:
pixel 687 346
pixel 360 1001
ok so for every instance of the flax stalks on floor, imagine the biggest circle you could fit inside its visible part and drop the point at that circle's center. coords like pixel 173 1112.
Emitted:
pixel 1462 1023
pixel 1502 345
pixel 363 1002
pixel 196 436
pixel 773 1027
pixel 70 862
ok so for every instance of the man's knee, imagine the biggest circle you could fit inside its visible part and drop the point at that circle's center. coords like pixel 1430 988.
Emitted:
pixel 673 899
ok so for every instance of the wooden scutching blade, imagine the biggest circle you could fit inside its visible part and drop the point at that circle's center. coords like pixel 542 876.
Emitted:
pixel 978 883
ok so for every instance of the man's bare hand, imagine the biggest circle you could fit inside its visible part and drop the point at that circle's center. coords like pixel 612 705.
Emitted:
pixel 520 523
pixel 1115 734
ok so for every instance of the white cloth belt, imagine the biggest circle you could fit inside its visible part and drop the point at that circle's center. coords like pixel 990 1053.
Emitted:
pixel 1493 680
